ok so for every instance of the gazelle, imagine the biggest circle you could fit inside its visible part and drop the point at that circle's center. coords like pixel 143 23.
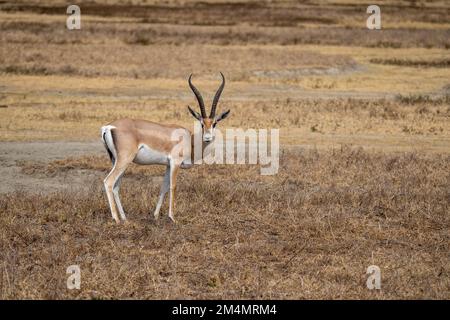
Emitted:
pixel 145 143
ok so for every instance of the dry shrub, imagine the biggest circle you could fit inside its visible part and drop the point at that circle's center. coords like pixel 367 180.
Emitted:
pixel 442 63
pixel 414 99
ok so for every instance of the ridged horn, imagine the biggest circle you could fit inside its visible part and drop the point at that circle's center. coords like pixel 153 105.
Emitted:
pixel 199 97
pixel 217 97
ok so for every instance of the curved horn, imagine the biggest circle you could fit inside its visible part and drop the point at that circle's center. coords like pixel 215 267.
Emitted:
pixel 199 97
pixel 216 97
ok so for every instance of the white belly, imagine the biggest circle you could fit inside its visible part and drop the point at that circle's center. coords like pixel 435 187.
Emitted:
pixel 147 155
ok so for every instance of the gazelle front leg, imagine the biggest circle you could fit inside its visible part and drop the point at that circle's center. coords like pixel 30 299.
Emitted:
pixel 162 193
pixel 173 182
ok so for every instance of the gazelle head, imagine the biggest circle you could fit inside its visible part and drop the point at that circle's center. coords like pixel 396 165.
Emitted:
pixel 208 123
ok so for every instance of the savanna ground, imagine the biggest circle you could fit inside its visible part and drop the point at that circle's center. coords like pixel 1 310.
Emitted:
pixel 364 178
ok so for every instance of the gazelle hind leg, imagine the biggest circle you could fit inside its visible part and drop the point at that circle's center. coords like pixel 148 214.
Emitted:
pixel 162 193
pixel 112 187
pixel 117 198
pixel 173 182
pixel 110 195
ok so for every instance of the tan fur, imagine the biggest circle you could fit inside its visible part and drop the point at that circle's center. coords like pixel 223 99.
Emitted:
pixel 146 142
pixel 128 135
pixel 208 122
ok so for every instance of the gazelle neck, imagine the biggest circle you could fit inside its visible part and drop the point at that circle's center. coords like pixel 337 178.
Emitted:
pixel 193 153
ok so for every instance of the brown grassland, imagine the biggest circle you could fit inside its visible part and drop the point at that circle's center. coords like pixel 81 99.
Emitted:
pixel 364 176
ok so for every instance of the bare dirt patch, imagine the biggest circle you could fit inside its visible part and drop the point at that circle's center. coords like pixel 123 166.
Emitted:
pixel 14 156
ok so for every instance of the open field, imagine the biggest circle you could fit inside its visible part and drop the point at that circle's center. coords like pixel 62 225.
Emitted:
pixel 364 178
pixel 308 232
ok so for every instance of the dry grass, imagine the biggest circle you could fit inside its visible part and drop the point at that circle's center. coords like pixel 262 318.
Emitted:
pixel 226 23
pixel 419 121
pixel 311 69
pixel 138 62
pixel 58 84
pixel 309 232
pixel 98 163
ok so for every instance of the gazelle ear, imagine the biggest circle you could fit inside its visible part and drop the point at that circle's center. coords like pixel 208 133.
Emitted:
pixel 223 115
pixel 195 114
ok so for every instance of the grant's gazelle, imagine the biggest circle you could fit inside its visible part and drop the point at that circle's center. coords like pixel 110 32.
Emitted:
pixel 144 142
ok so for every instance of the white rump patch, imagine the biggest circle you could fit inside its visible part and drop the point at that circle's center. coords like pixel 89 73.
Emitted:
pixel 108 140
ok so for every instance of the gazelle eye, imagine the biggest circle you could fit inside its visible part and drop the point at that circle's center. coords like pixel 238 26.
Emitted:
pixel 214 124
